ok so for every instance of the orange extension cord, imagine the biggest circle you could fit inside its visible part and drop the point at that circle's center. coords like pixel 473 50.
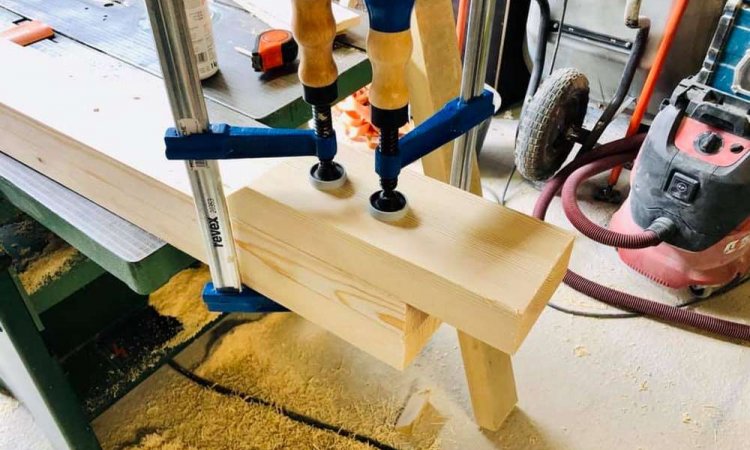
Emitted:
pixel 670 30
pixel 461 18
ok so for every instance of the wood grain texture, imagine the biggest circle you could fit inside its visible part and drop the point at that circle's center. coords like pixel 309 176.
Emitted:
pixel 278 13
pixel 487 270
pixel 492 385
pixel 314 30
pixel 434 75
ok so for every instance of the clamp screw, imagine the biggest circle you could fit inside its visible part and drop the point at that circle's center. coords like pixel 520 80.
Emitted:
pixel 388 204
pixel 325 174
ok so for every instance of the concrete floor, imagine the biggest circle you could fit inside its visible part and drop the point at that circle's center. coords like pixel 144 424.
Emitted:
pixel 583 383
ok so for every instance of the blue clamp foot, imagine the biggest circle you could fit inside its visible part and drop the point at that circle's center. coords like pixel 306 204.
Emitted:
pixel 248 300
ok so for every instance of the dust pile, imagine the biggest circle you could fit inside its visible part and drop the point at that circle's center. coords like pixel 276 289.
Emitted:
pixel 55 260
pixel 282 359
pixel 154 441
pixel 182 299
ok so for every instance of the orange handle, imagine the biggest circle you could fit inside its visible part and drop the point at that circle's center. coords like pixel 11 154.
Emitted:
pixel 670 31
pixel 28 32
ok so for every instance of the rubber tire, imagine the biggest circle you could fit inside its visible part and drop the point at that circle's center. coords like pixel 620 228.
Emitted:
pixel 559 104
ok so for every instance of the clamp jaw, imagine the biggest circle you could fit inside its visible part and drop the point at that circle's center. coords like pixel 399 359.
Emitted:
pixel 247 300
pixel 314 28
pixel 222 141
pixel 453 120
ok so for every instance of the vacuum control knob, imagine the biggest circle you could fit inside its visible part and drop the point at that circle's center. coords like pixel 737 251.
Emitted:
pixel 708 143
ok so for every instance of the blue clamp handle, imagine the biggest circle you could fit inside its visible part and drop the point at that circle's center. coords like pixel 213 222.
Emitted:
pixel 223 141
pixel 389 16
pixel 247 300
pixel 454 119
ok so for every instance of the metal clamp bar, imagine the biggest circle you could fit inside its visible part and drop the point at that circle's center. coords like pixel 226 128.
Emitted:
pixel 476 53
pixel 180 69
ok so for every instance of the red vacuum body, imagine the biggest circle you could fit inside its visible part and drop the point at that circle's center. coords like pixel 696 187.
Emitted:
pixel 693 169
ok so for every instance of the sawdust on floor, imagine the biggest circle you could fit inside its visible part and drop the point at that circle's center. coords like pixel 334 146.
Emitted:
pixel 182 299
pixel 279 359
pixel 51 264
pixel 154 441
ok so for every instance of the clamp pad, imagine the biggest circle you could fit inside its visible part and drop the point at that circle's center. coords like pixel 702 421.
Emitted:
pixel 248 300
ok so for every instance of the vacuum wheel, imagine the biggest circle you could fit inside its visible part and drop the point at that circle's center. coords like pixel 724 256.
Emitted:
pixel 557 109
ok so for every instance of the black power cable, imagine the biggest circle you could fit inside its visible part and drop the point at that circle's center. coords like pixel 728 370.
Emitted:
pixel 292 415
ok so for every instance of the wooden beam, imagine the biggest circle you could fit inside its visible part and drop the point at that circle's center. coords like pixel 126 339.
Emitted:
pixel 102 136
pixel 435 78
pixel 418 413
pixel 492 386
pixel 489 270
pixel 486 270
pixel 278 14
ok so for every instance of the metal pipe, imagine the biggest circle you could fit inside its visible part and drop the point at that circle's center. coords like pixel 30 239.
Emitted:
pixel 632 13
pixel 180 69
pixel 540 54
pixel 639 48
pixel 476 54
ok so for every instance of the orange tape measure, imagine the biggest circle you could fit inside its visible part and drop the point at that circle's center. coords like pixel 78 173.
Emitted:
pixel 274 48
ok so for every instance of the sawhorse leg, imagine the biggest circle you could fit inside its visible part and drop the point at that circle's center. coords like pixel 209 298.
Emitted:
pixel 492 386
pixel 34 377
pixel 434 77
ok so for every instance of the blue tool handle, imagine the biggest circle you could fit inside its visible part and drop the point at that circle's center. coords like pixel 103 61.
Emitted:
pixel 223 141
pixel 454 119
pixel 247 300
pixel 389 16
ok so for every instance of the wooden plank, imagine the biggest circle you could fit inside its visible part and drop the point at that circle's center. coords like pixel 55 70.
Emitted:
pixel 434 78
pixel 78 127
pixel 278 14
pixel 489 271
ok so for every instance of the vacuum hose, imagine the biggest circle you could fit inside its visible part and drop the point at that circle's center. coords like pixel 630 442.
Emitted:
pixel 568 179
pixel 646 238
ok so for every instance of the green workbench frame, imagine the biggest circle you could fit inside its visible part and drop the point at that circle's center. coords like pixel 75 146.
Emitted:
pixel 32 374
pixel 143 276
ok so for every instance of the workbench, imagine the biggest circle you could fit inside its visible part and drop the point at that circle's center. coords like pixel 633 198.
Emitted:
pixel 97 127
pixel 122 263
